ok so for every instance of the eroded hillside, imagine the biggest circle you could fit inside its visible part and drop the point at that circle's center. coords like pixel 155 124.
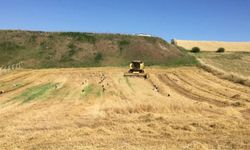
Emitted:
pixel 74 49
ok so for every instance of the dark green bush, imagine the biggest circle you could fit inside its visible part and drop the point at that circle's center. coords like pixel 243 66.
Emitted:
pixel 72 49
pixel 72 46
pixel 123 43
pixel 78 36
pixel 221 50
pixel 32 39
pixel 8 46
pixel 98 57
pixel 173 42
pixel 195 50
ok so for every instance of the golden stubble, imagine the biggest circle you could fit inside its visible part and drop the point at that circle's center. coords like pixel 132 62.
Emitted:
pixel 176 108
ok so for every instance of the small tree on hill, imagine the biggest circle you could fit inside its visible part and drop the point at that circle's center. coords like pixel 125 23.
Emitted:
pixel 173 42
pixel 195 50
pixel 221 50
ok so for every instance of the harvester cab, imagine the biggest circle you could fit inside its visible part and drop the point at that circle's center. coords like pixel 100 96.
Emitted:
pixel 136 69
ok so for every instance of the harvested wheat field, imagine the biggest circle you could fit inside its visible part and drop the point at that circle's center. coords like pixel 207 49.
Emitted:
pixel 214 45
pixel 98 108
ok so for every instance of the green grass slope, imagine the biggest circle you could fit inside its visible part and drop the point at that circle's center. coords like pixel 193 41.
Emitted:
pixel 230 62
pixel 73 49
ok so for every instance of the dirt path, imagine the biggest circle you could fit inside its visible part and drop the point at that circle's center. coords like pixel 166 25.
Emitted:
pixel 98 108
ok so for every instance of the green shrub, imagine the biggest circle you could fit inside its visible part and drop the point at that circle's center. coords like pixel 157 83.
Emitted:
pixel 82 37
pixel 72 49
pixel 195 50
pixel 44 45
pixel 71 46
pixel 151 39
pixel 6 46
pixel 98 57
pixel 71 52
pixel 173 42
pixel 221 50
pixel 32 39
pixel 124 43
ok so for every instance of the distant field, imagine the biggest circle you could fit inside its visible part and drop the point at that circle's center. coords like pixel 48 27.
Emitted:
pixel 234 62
pixel 214 45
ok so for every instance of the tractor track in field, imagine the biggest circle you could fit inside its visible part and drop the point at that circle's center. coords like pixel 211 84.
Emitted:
pixel 189 94
pixel 198 84
pixel 100 104
pixel 18 76
pixel 208 77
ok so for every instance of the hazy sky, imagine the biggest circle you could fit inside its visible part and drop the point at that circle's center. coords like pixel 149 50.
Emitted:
pixel 227 20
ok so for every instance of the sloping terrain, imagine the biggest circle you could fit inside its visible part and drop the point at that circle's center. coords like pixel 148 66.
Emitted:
pixel 214 45
pixel 98 108
pixel 75 49
pixel 230 62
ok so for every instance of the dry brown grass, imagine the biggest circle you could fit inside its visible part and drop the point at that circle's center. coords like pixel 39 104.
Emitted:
pixel 234 77
pixel 192 109
pixel 214 45
pixel 235 64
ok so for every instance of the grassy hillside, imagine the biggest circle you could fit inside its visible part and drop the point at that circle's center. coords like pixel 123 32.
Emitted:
pixel 74 49
pixel 231 62
pixel 214 45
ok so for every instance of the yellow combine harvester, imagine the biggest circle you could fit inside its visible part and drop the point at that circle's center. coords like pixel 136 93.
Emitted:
pixel 136 70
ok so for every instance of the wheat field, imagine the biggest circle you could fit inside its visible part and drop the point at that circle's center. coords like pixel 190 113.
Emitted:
pixel 214 45
pixel 98 108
